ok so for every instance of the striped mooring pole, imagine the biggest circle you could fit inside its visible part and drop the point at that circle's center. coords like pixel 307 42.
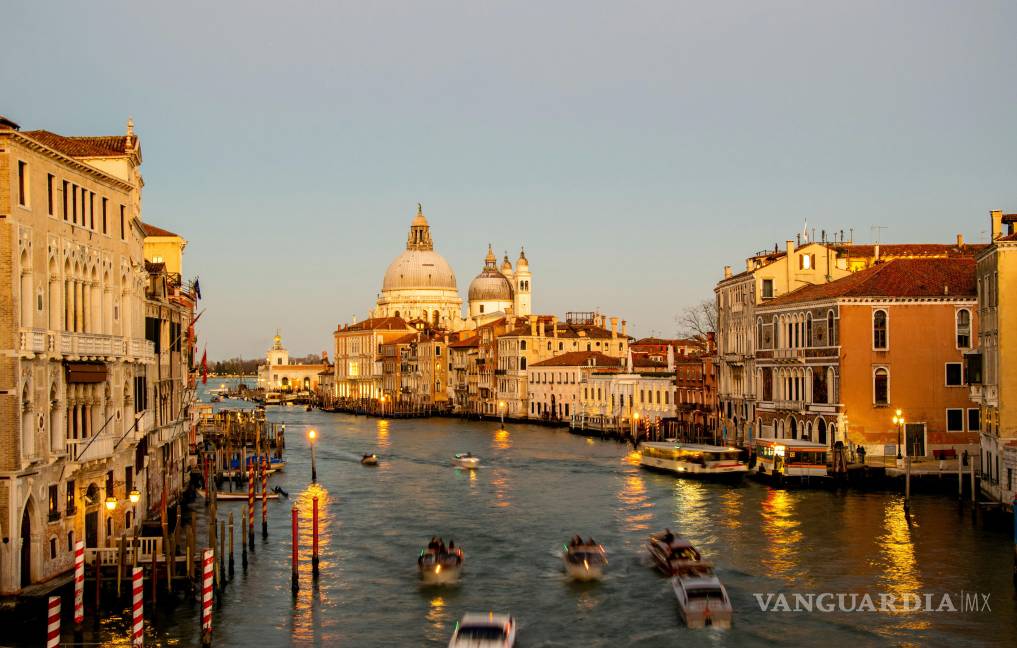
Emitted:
pixel 314 538
pixel 138 608
pixel 296 580
pixel 53 623
pixel 79 582
pixel 250 504
pixel 207 571
pixel 264 497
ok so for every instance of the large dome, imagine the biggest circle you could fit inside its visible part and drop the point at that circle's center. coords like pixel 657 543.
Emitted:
pixel 418 268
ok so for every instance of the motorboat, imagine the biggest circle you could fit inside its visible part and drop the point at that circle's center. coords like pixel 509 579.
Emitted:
pixel 693 460
pixel 440 566
pixel 479 630
pixel 584 561
pixel 672 553
pixel 466 460
pixel 702 600
pixel 369 459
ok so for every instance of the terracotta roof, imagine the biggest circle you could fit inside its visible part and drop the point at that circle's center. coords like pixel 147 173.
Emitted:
pixel 469 342
pixel 910 250
pixel 153 230
pixel 1011 237
pixel 403 339
pixel 4 121
pixel 952 277
pixel 567 330
pixel 579 359
pixel 376 323
pixel 103 146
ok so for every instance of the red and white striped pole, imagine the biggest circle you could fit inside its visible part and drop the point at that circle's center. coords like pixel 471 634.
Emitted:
pixel 207 570
pixel 138 608
pixel 250 504
pixel 53 623
pixel 79 582
pixel 264 497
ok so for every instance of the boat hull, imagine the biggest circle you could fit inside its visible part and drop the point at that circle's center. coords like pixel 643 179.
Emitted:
pixel 684 470
pixel 431 575
pixel 584 573
pixel 236 497
pixel 469 463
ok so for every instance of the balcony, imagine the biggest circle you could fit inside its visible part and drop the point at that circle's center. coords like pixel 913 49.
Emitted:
pixel 82 345
pixel 95 448
pixel 793 355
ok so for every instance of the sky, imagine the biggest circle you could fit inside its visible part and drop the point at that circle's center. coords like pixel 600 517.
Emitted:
pixel 633 148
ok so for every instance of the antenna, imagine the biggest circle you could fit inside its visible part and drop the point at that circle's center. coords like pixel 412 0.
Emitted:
pixel 878 229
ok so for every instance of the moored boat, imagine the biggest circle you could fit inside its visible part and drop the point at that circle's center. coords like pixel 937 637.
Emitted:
pixel 693 460
pixel 466 460
pixel 478 630
pixel 782 460
pixel 702 600
pixel 584 561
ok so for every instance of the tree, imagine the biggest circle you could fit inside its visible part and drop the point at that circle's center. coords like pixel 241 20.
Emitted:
pixel 698 320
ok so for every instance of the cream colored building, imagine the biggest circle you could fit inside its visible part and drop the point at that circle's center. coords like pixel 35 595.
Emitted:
pixel 992 370
pixel 621 399
pixel 164 246
pixel 555 385
pixel 279 374
pixel 503 292
pixel 76 400
pixel 359 364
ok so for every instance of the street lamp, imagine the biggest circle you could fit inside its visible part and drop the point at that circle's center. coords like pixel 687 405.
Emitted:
pixel 898 420
pixel 381 400
pixel 501 410
pixel 635 427
pixel 312 435
pixel 111 503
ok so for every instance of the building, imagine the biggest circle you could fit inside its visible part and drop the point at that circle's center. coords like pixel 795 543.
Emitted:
pixel 628 399
pixel 556 384
pixel 696 393
pixel 359 365
pixel 165 247
pixel 278 374
pixel 501 292
pixel 992 370
pixel 89 408
pixel 835 361
pixel 462 379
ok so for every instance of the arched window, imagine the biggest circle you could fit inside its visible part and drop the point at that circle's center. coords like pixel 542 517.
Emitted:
pixel 522 345
pixel 830 334
pixel 793 428
pixel 522 363
pixel 879 337
pixel 397 313
pixel 821 431
pixel 963 328
pixel 881 386
pixel 759 333
pixel 807 342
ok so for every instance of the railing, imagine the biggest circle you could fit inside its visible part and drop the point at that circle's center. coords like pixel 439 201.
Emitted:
pixel 789 354
pixel 98 446
pixel 32 341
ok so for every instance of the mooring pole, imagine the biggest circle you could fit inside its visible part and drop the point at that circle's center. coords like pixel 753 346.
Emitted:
pixel 296 581
pixel 314 540
pixel 264 497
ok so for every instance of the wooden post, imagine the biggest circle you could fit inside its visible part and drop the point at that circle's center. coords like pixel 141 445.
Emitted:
pixel 243 543
pixel 960 479
pixel 231 546
pixel 53 623
pixel 314 536
pixel 138 608
pixel 222 554
pixel 974 494
pixel 207 571
pixel 296 582
pixel 250 504
pixel 155 575
pixel 98 585
pixel 907 485
pixel 79 584
pixel 264 497
pixel 121 556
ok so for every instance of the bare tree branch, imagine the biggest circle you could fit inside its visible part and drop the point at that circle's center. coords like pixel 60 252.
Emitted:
pixel 698 320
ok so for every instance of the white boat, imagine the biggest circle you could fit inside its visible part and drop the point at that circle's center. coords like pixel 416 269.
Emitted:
pixel 369 459
pixel 479 630
pixel 585 562
pixel 790 459
pixel 702 600
pixel 693 460
pixel 673 553
pixel 236 496
pixel 466 460
pixel 440 568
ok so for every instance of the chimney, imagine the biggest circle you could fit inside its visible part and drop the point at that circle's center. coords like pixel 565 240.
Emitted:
pixel 614 328
pixel 727 272
pixel 790 248
pixel 533 325
pixel 997 223
pixel 748 265
pixel 876 253
pixel 623 329
pixel 960 240
pixel 554 326
pixel 540 328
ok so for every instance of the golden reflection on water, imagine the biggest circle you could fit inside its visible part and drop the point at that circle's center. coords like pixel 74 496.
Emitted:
pixel 383 441
pixel 437 619
pixel 896 558
pixel 731 509
pixel 638 513
pixel 306 625
pixel 502 439
pixel 691 510
pixel 783 533
pixel 502 490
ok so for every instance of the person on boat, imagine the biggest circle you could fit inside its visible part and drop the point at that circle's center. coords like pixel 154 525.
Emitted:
pixel 591 542
pixel 433 544
pixel 451 545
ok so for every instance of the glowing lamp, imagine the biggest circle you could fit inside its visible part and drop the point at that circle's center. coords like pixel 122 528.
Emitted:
pixel 135 496
pixel 111 503
pixel 311 434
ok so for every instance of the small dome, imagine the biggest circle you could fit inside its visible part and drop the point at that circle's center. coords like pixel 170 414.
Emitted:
pixel 490 285
pixel 506 265
pixel 522 263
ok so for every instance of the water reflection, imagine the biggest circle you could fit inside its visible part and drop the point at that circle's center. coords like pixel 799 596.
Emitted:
pixel 306 625
pixel 637 507
pixel 501 488
pixel 437 619
pixel 783 534
pixel 896 557
pixel 691 509
pixel 382 433
pixel 731 509
pixel 502 439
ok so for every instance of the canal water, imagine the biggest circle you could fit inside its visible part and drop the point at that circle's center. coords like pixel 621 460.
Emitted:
pixel 537 487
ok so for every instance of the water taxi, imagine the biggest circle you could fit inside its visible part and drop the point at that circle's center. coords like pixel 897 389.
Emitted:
pixel 478 630
pixel 702 600
pixel 584 561
pixel 440 566
pixel 790 459
pixel 369 459
pixel 672 553
pixel 693 460
pixel 466 460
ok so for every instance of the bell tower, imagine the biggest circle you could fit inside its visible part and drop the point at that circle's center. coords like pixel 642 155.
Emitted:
pixel 420 232
pixel 521 282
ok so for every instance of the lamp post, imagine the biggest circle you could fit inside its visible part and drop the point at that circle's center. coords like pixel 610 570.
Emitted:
pixel 635 427
pixel 898 420
pixel 135 497
pixel 311 436
pixel 381 400
pixel 501 411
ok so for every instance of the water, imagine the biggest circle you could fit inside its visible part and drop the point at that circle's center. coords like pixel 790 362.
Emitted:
pixel 539 486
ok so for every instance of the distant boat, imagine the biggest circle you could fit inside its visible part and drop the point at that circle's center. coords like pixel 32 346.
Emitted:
pixel 466 460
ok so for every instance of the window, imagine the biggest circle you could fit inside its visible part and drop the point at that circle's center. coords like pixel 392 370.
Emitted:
pixel 767 288
pixel 49 194
pixel 22 184
pixel 52 548
pixel 70 497
pixel 806 261
pixel 963 329
pixel 879 330
pixel 954 373
pixel 829 329
pixel 955 420
pixel 70 541
pixel 140 393
pixel 881 387
pixel 64 197
pixel 561 346
pixel 74 204
pixel 481 308
pixel 123 232
pixel 522 345
pixel 522 363
pixel 974 420
pixel 105 203
pixel 128 479
pixel 91 209
pixel 54 503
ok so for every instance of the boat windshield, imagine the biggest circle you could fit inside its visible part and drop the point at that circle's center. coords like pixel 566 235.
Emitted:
pixel 684 553
pixel 481 633
pixel 704 593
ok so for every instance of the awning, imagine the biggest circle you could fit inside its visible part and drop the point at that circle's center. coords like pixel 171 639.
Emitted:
pixel 86 372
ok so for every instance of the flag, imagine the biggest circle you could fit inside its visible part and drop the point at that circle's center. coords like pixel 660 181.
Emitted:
pixel 197 288
pixel 805 238
pixel 204 366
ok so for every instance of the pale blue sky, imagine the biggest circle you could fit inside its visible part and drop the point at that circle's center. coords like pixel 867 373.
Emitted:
pixel 634 148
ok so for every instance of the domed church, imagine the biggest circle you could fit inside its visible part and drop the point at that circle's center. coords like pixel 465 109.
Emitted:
pixel 420 285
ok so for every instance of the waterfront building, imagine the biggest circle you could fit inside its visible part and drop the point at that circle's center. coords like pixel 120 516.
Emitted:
pixel 433 370
pixel 462 379
pixel 165 247
pixel 393 361
pixel 359 374
pixel 696 391
pixel 835 361
pixel 992 369
pixel 556 384
pixel 85 401
pixel 627 398
pixel 279 374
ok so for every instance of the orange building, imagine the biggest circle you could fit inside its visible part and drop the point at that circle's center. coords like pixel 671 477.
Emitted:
pixel 836 361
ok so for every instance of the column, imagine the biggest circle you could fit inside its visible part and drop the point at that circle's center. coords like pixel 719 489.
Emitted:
pixel 78 316
pixel 86 307
pixel 68 305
